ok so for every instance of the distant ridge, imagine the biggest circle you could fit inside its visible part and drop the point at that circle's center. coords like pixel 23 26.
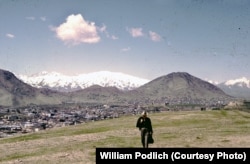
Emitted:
pixel 238 88
pixel 178 81
pixel 182 87
pixel 176 88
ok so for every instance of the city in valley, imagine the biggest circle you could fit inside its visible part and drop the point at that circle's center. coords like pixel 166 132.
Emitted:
pixel 32 118
pixel 35 118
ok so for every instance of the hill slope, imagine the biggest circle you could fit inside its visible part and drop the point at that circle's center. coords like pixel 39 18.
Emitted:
pixel 181 86
pixel 76 144
pixel 14 92
pixel 96 94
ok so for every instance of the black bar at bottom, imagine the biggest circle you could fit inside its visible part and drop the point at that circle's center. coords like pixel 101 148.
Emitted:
pixel 173 155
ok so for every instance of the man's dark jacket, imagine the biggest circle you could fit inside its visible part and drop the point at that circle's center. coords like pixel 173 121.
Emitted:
pixel 144 122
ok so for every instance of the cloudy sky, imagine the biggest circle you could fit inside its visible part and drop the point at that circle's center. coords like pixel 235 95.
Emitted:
pixel 209 39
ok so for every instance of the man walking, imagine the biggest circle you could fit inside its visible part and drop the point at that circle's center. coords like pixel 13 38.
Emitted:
pixel 145 126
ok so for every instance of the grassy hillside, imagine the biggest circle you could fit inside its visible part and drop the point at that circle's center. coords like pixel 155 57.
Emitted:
pixel 76 144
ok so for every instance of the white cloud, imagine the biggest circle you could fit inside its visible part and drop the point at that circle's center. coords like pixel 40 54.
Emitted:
pixel 126 49
pixel 77 30
pixel 212 82
pixel 30 18
pixel 43 18
pixel 136 32
pixel 103 29
pixel 10 36
pixel 154 36
pixel 114 37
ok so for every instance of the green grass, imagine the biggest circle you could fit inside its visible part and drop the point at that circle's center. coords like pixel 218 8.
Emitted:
pixel 76 144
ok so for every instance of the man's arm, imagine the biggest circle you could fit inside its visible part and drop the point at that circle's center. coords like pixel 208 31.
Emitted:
pixel 138 123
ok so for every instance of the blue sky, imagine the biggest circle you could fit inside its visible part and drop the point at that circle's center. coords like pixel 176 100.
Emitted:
pixel 209 39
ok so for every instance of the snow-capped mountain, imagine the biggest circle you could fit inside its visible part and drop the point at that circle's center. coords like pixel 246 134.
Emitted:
pixel 238 87
pixel 60 82
pixel 242 82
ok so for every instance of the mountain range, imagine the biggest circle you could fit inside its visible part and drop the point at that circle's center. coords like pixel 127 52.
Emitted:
pixel 239 88
pixel 174 88
pixel 60 82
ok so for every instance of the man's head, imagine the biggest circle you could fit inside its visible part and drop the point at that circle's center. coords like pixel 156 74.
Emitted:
pixel 144 114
